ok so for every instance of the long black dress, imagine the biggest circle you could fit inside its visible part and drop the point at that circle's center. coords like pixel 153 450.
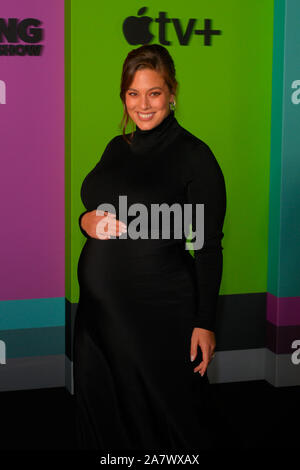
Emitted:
pixel 140 299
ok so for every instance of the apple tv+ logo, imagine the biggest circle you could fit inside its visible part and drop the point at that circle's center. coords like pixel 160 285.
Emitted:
pixel 136 29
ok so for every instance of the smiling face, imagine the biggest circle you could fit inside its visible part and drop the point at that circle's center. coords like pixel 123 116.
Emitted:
pixel 148 99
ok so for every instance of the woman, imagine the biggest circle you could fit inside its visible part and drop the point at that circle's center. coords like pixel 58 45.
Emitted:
pixel 146 304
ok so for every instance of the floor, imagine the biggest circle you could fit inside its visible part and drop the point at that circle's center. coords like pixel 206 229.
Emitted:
pixel 43 420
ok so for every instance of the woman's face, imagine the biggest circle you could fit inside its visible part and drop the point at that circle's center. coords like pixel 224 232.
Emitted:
pixel 148 98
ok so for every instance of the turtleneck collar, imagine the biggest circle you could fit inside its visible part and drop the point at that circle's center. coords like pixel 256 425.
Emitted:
pixel 145 141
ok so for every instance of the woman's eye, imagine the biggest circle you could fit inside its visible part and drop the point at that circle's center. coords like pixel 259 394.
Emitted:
pixel 132 93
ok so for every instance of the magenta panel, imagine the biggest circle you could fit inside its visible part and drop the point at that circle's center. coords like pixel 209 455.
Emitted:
pixel 283 311
pixel 32 239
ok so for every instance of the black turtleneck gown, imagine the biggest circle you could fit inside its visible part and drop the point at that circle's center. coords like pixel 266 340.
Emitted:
pixel 140 299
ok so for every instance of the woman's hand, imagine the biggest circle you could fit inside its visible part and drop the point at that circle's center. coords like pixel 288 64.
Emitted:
pixel 207 342
pixel 102 225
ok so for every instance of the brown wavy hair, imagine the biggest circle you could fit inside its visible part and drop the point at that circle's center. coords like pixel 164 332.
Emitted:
pixel 152 56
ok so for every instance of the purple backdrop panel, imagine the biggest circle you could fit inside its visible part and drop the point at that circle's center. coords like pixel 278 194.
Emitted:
pixel 283 311
pixel 32 243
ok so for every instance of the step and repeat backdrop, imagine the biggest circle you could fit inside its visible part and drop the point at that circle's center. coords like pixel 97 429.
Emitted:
pixel 32 267
pixel 283 289
pixel 237 65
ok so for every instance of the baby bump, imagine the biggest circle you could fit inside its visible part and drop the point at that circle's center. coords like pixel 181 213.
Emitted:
pixel 142 268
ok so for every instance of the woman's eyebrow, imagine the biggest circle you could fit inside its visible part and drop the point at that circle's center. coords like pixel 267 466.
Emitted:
pixel 134 89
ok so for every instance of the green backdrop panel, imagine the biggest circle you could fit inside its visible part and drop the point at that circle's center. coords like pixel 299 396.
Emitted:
pixel 224 98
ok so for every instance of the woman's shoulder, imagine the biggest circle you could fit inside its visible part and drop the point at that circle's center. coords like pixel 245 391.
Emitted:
pixel 112 141
pixel 196 151
pixel 198 158
pixel 192 141
pixel 118 140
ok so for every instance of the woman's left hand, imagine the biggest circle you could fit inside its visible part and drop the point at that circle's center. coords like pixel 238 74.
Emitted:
pixel 207 342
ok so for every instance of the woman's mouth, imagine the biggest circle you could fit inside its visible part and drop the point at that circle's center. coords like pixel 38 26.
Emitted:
pixel 145 116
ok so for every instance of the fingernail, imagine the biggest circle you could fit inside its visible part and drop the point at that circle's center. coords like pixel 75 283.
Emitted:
pixel 192 358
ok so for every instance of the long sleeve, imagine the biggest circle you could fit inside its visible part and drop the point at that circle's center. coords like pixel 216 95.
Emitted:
pixel 207 187
pixel 88 191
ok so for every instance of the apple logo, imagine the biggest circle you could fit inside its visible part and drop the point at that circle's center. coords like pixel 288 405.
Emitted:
pixel 136 30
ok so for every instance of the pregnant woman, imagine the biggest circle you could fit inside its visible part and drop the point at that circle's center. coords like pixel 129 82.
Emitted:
pixel 145 325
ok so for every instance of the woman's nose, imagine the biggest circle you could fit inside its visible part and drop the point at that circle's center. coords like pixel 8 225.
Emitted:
pixel 144 102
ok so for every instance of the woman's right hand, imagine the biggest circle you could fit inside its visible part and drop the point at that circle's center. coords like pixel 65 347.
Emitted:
pixel 102 224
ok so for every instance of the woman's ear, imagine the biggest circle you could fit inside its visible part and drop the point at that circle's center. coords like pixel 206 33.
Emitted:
pixel 172 97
